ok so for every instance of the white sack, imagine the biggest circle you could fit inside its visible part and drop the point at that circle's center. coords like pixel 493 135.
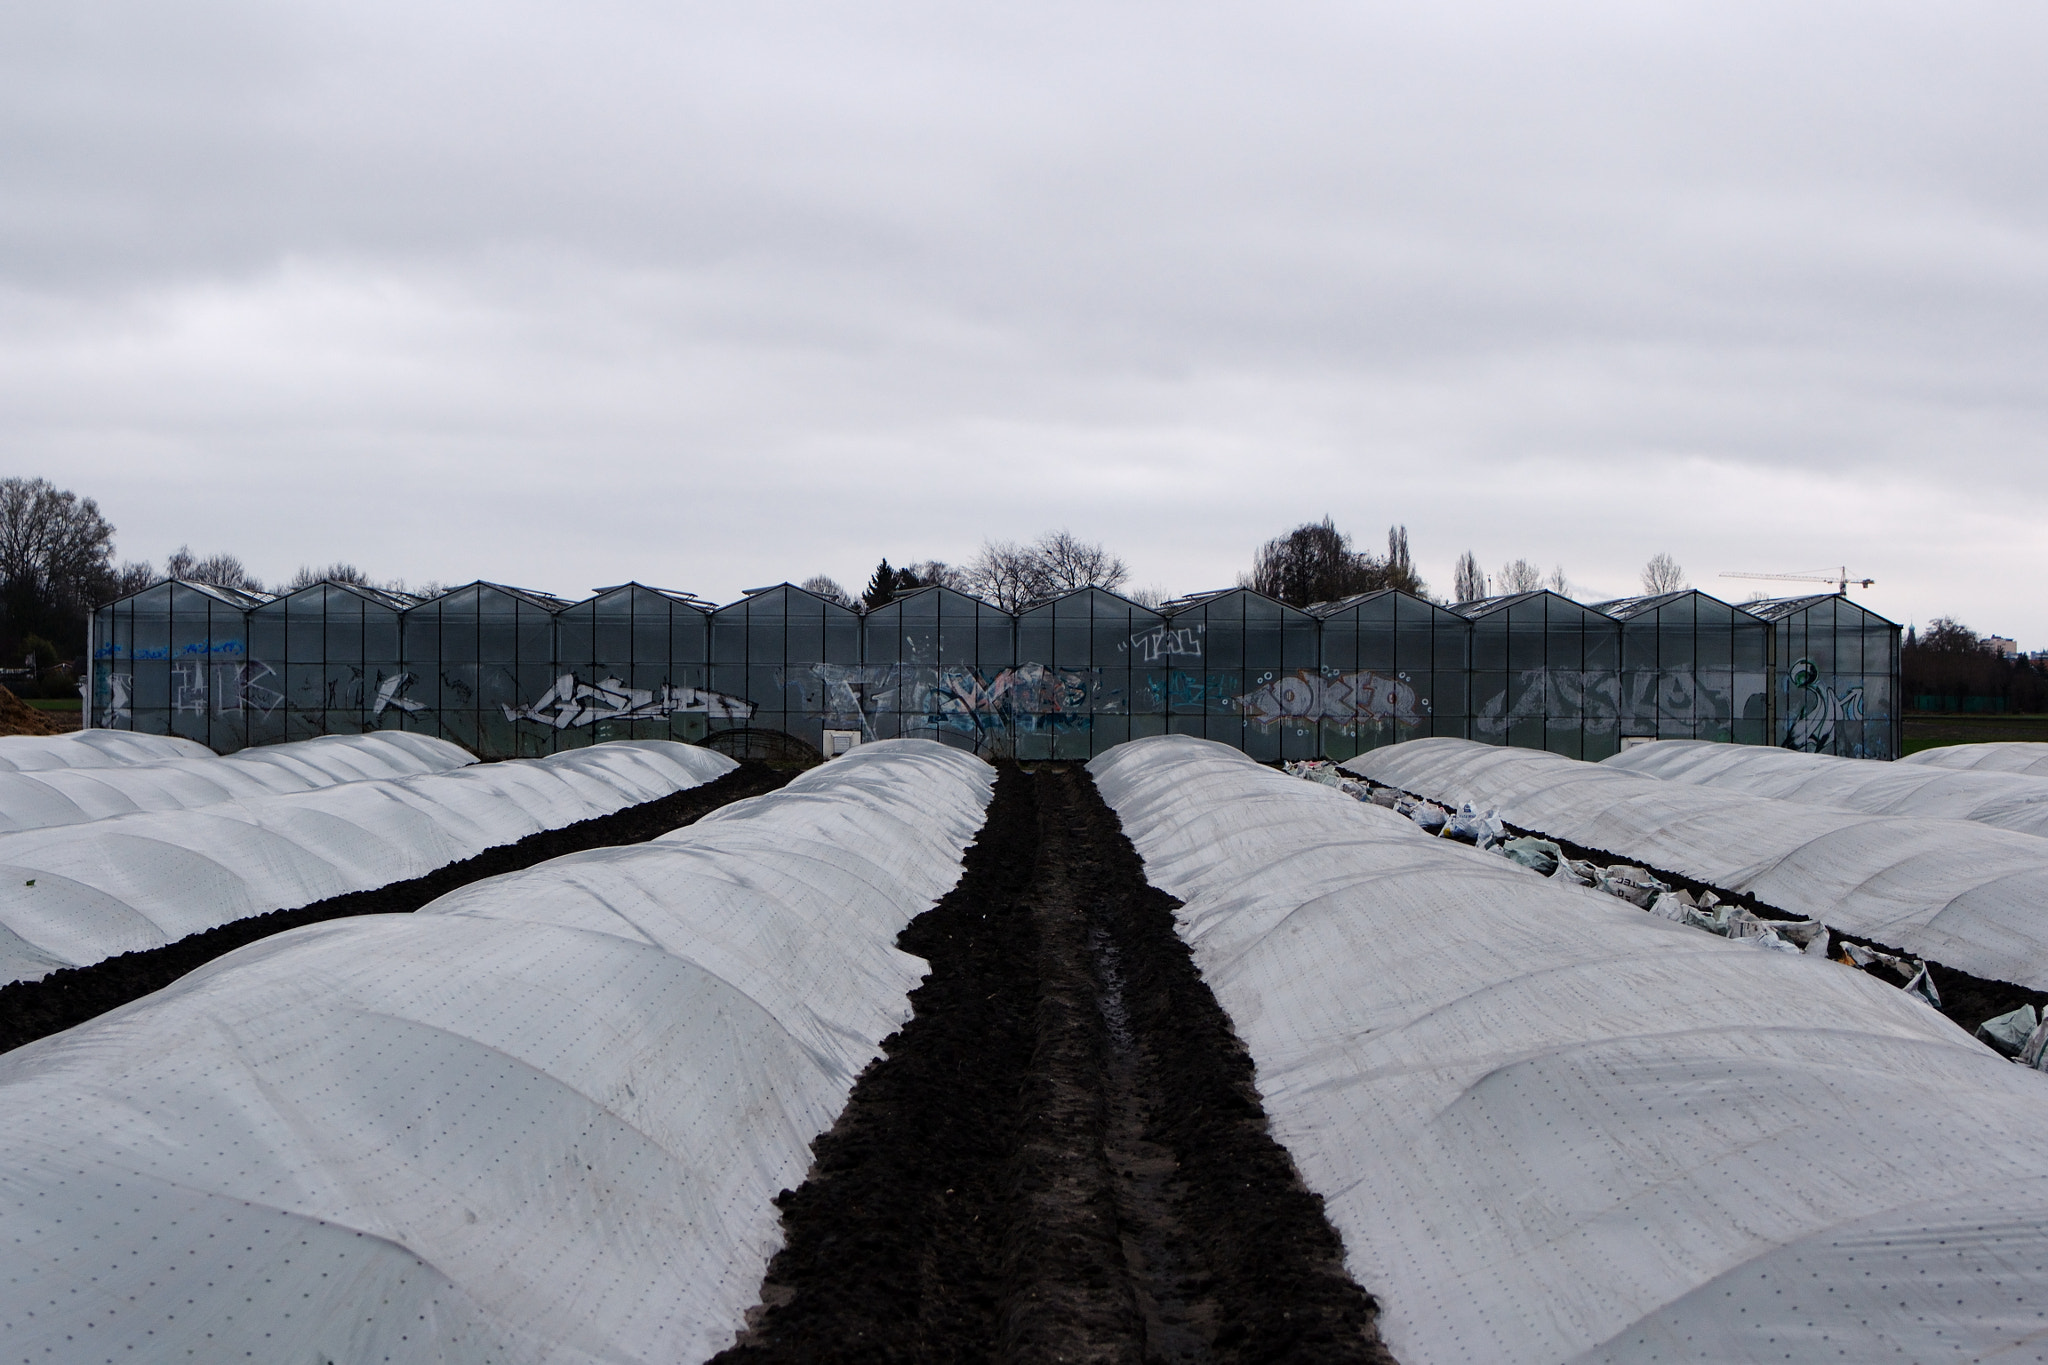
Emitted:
pixel 541 1120
pixel 1960 893
pixel 1550 1127
pixel 75 894
pixel 63 796
pixel 2011 801
pixel 2004 756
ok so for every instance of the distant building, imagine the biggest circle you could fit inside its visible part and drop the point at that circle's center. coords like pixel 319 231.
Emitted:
pixel 2002 645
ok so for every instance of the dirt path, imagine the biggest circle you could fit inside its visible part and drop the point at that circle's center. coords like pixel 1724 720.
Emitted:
pixel 1061 1156
pixel 35 1009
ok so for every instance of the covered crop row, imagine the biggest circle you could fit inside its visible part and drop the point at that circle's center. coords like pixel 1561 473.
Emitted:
pixel 2004 756
pixel 74 894
pixel 1953 891
pixel 93 749
pixel 544 1119
pixel 1552 1128
pixel 2006 800
pixel 40 798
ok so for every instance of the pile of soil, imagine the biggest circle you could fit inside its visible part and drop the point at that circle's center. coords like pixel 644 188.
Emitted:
pixel 1062 1156
pixel 35 1009
pixel 17 717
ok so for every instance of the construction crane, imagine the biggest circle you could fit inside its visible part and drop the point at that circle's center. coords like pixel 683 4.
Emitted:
pixel 1840 578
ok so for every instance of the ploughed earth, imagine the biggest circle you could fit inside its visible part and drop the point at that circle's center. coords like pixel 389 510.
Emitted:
pixel 1061 1157
pixel 35 1009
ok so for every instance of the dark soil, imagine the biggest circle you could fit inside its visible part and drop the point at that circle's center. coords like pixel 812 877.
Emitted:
pixel 35 1009
pixel 1062 1156
pixel 17 717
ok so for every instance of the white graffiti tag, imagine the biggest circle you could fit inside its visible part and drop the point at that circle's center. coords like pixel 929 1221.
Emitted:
pixel 1345 697
pixel 570 703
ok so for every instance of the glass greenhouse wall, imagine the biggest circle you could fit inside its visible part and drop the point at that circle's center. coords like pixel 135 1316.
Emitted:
pixel 1247 671
pixel 1692 667
pixel 1837 677
pixel 1545 674
pixel 1392 667
pixel 323 661
pixel 507 672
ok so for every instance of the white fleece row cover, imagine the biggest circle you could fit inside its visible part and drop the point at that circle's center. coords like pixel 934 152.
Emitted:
pixel 74 894
pixel 1550 1127
pixel 2004 756
pixel 93 749
pixel 37 799
pixel 542 1120
pixel 1961 893
pixel 2013 801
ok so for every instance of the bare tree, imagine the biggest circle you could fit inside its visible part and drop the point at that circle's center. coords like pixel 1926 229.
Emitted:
pixel 1070 563
pixel 828 589
pixel 1518 576
pixel 336 572
pixel 52 542
pixel 937 573
pixel 221 570
pixel 1007 575
pixel 1312 563
pixel 1662 574
pixel 1398 570
pixel 1558 583
pixel 1468 584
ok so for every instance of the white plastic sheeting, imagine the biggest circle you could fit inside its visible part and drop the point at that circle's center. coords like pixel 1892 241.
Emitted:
pixel 93 749
pixel 1550 1127
pixel 1959 893
pixel 2012 801
pixel 2005 756
pixel 74 894
pixel 38 799
pixel 541 1120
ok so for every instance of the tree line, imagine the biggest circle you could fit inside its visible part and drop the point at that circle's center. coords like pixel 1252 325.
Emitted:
pixel 1951 668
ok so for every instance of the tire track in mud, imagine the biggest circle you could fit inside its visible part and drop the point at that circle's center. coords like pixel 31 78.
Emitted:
pixel 71 995
pixel 1062 1155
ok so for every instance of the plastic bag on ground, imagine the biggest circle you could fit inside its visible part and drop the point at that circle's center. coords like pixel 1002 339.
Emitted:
pixel 2008 1033
pixel 1539 855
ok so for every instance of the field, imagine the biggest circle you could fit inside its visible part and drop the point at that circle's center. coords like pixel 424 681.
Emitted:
pixel 1928 731
pixel 1456 1053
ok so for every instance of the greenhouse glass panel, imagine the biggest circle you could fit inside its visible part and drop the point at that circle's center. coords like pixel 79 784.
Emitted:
pixel 629 664
pixel 173 659
pixel 1561 690
pixel 1244 670
pixel 1392 668
pixel 1836 665
pixel 786 660
pixel 1083 657
pixel 1679 679
pixel 939 666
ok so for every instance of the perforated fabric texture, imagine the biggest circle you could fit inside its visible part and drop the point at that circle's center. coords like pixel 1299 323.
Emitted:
pixel 541 1120
pixel 2014 801
pixel 93 749
pixel 62 796
pixel 2003 756
pixel 74 894
pixel 1550 1127
pixel 1961 893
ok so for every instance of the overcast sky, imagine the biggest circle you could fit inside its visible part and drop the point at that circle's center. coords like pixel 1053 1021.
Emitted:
pixel 715 296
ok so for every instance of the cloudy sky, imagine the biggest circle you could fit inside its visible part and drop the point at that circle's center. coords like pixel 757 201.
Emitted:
pixel 714 296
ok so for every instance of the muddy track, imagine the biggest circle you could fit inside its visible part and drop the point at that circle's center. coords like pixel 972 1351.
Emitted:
pixel 35 1009
pixel 1062 1156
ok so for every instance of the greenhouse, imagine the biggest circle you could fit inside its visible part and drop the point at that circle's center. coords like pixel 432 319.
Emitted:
pixel 1837 677
pixel 1692 667
pixel 508 672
